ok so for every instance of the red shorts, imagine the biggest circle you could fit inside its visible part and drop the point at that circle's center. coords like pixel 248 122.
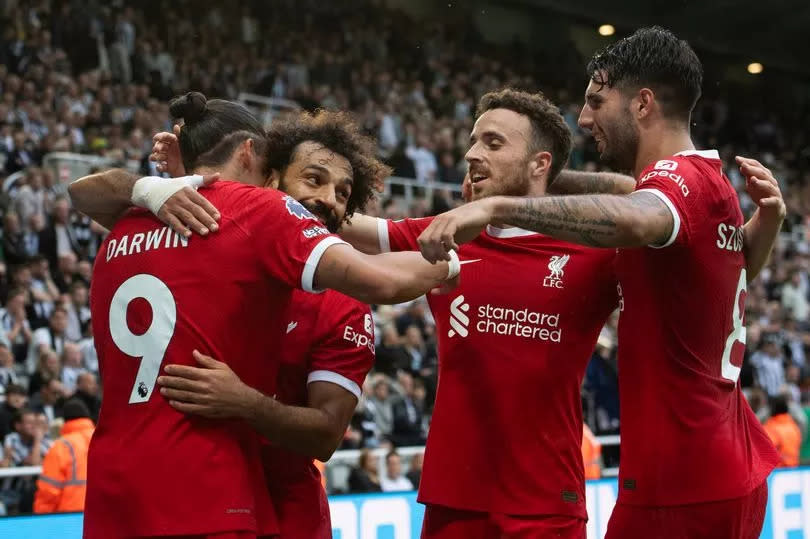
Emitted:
pixel 303 511
pixel 446 523
pixel 221 535
pixel 739 518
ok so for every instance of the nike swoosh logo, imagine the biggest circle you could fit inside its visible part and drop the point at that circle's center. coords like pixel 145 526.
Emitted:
pixel 462 262
pixel 291 326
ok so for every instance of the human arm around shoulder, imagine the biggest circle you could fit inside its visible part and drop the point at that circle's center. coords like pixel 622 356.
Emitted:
pixel 106 196
pixel 581 182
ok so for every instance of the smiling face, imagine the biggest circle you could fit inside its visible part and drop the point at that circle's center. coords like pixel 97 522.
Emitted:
pixel 499 154
pixel 321 180
pixel 606 114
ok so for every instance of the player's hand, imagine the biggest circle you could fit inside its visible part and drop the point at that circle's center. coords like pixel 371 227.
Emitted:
pixel 456 226
pixel 763 188
pixel 188 210
pixel 447 286
pixel 211 390
pixel 166 153
pixel 466 188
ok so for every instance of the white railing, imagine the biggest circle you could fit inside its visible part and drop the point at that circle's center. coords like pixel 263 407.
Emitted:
pixel 340 465
pixel 20 471
pixel 410 190
pixel 267 108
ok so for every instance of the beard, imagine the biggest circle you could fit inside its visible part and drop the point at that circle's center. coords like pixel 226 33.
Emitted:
pixel 324 215
pixel 511 182
pixel 621 146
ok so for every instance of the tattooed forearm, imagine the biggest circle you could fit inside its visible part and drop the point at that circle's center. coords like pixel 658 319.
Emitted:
pixel 575 182
pixel 593 220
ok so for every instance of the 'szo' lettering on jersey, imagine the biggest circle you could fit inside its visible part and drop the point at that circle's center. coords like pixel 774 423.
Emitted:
pixel 729 237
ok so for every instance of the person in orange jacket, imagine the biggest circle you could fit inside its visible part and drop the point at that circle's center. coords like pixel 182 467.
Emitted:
pixel 62 485
pixel 591 454
pixel 784 432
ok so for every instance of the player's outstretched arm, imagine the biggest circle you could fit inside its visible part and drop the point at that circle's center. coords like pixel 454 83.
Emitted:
pixel 387 278
pixel 761 231
pixel 105 197
pixel 214 390
pixel 578 182
pixel 361 233
pixel 633 220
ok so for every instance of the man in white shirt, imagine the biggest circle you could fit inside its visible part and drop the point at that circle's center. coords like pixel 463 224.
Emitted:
pixel 393 480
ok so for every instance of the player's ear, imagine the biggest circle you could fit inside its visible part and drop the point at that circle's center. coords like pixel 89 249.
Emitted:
pixel 539 167
pixel 246 153
pixel 643 102
pixel 273 179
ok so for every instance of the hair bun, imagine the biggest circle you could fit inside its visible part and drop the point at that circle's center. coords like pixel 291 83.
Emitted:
pixel 191 107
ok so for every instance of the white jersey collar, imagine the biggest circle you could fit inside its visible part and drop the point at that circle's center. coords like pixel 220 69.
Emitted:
pixel 706 154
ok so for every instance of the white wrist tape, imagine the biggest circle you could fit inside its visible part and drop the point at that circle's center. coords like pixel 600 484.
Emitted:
pixel 151 192
pixel 454 265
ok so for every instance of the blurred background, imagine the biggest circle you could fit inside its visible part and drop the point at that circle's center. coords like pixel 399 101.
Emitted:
pixel 85 84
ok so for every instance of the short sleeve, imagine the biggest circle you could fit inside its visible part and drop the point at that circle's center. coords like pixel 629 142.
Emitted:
pixel 677 184
pixel 289 240
pixel 401 235
pixel 345 354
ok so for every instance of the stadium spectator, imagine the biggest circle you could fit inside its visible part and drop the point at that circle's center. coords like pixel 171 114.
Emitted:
pixel 51 337
pixel 414 474
pixel 393 480
pixel 87 391
pixel 391 356
pixel 407 412
pixel 784 432
pixel 71 366
pixel 25 446
pixel 49 367
pixel 62 485
pixel 365 476
pixel 380 405
pixel 49 400
pixel 769 364
pixel 16 399
pixel 14 323
pixel 8 374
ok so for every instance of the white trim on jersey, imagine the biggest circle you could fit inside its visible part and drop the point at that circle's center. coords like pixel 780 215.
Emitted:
pixel 308 276
pixel 335 378
pixel 512 232
pixel 676 218
pixel 382 235
pixel 707 154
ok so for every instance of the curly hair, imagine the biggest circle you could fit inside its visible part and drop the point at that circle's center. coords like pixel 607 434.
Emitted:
pixel 653 57
pixel 338 132
pixel 549 130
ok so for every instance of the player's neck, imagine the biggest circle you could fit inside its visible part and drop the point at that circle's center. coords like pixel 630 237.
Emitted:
pixel 229 171
pixel 663 143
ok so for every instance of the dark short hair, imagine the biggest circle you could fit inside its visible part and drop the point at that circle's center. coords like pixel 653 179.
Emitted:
pixel 213 129
pixel 15 388
pixel 20 414
pixel 392 453
pixel 338 132
pixel 652 57
pixel 75 409
pixel 549 130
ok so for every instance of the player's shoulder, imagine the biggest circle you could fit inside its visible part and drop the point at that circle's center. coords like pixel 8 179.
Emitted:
pixel 340 306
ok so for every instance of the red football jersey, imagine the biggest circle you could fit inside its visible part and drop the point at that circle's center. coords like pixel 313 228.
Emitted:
pixel 329 338
pixel 514 340
pixel 688 435
pixel 155 298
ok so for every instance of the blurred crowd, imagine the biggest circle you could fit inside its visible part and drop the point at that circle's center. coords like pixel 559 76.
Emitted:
pixel 95 78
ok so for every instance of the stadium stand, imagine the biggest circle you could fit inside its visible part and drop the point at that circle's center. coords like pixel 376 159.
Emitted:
pixel 85 85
